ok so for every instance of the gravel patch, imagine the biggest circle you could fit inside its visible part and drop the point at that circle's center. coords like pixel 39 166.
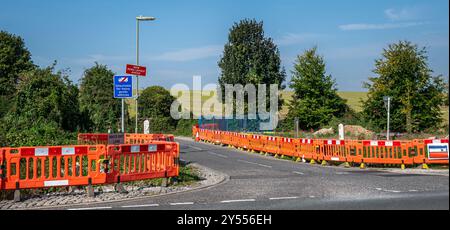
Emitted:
pixel 107 193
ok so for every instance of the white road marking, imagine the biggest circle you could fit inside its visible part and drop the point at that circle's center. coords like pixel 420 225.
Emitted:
pixel 216 154
pixel 140 206
pixel 184 203
pixel 342 173
pixel 299 173
pixel 93 208
pixel 394 191
pixel 197 148
pixel 312 197
pixel 283 198
pixel 235 201
pixel 253 163
pixel 413 190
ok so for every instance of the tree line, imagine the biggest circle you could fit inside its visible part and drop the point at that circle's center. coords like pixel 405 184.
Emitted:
pixel 402 72
pixel 42 106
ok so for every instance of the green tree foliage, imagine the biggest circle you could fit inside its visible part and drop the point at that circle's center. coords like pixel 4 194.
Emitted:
pixel 45 110
pixel 97 101
pixel 14 59
pixel 154 104
pixel 250 58
pixel 403 74
pixel 315 101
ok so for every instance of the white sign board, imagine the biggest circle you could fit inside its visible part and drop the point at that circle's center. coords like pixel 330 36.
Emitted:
pixel 341 132
pixel 146 127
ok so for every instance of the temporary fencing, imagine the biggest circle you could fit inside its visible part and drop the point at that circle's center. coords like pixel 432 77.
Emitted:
pixel 408 152
pixel 79 165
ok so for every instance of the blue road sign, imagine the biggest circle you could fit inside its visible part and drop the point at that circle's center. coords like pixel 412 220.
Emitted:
pixel 123 87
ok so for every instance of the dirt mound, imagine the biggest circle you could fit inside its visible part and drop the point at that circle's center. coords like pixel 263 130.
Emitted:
pixel 356 130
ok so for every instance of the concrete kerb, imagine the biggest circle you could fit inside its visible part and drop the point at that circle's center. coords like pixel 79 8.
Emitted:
pixel 225 179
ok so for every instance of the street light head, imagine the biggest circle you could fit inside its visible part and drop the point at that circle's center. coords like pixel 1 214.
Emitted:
pixel 142 18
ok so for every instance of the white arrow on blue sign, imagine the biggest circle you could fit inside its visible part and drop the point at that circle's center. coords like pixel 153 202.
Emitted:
pixel 123 87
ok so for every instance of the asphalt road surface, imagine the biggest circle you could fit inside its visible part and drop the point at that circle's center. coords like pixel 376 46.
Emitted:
pixel 263 183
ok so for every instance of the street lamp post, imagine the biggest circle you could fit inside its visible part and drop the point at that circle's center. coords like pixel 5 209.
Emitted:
pixel 387 101
pixel 139 18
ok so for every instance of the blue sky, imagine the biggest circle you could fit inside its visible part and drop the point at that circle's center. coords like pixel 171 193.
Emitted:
pixel 188 36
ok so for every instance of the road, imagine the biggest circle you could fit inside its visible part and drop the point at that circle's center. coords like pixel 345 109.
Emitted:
pixel 263 183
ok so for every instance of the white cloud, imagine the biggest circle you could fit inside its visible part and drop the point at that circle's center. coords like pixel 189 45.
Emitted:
pixel 190 54
pixel 291 39
pixel 402 14
pixel 384 26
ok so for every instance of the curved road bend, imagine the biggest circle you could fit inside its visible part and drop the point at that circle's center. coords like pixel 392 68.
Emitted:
pixel 260 183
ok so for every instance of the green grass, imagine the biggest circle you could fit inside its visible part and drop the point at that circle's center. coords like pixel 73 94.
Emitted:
pixel 353 100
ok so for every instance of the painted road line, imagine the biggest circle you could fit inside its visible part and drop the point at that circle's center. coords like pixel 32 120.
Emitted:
pixel 216 154
pixel 299 173
pixel 254 163
pixel 93 208
pixel 312 197
pixel 140 206
pixel 283 198
pixel 413 190
pixel 342 173
pixel 236 201
pixel 184 203
pixel 197 148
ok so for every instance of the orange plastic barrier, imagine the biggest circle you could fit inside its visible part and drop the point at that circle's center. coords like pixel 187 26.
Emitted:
pixel 272 144
pixel 288 146
pixel 352 151
pixel 147 138
pixel 40 167
pixel 256 142
pixel 141 162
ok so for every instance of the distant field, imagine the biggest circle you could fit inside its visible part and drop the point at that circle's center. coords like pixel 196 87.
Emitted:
pixel 353 100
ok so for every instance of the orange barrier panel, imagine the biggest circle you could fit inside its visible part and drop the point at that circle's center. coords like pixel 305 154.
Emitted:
pixel 56 166
pixel 306 149
pixel 272 144
pixel 141 162
pixel 256 142
pixel 333 150
pixel 288 146
pixel 147 138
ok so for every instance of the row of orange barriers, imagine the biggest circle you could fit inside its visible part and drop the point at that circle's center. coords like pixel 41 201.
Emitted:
pixel 352 151
pixel 58 166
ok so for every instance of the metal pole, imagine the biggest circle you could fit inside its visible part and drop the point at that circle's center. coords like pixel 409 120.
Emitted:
pixel 137 78
pixel 296 128
pixel 123 117
pixel 388 117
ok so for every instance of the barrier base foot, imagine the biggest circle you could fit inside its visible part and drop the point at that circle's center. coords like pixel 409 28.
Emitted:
pixel 90 191
pixel 312 162
pixel 362 166
pixel 403 167
pixel 298 159
pixel 120 189
pixel 17 195
pixel 324 163
pixel 425 166
pixel 276 156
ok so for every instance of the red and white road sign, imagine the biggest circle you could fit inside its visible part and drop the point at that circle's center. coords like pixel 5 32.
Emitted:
pixel 123 79
pixel 136 70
